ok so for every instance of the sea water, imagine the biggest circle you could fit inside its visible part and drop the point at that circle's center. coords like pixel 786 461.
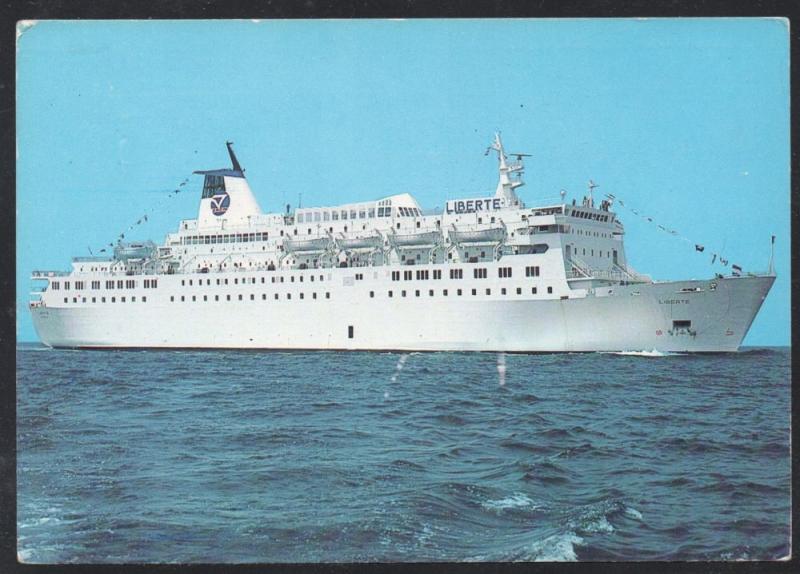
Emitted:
pixel 233 456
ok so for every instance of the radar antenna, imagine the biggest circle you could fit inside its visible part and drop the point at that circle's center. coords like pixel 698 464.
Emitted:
pixel 592 185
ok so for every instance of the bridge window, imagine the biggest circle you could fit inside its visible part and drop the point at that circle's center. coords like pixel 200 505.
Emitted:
pixel 213 185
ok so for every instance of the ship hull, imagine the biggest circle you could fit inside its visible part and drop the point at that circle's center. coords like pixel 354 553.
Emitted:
pixel 666 317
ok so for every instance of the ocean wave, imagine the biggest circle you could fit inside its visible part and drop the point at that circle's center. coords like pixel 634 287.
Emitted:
pixel 516 500
pixel 555 548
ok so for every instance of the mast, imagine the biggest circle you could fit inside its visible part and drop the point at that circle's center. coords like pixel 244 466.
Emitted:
pixel 234 161
pixel 506 185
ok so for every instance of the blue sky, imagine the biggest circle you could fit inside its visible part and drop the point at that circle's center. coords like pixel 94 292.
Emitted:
pixel 685 119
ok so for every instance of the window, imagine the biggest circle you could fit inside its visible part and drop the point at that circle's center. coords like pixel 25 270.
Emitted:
pixel 403 293
pixel 533 290
pixel 458 292
pixel 172 298
pixel 95 284
pixel 532 271
pixel 94 299
pixel 395 276
pixel 479 273
pixel 263 296
pixel 79 285
pixel 549 289
pixel 488 291
pixel 456 274
pixel 327 295
pixel 422 274
pixel 372 294
pixel 416 292
pixel 390 294
pixel 504 272
pixel 503 291
pixel 519 290
pixel 66 285
pixel 474 291
pixel 407 275
pixel 437 273
pixel 444 292
pixel 430 293
pixel 55 286
pixel 349 331
pixel 109 285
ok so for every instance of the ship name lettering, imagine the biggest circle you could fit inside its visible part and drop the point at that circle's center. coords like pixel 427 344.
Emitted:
pixel 473 205
pixel 673 301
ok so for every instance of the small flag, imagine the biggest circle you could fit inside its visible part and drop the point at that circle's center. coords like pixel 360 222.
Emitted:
pixel 103 250
pixel 773 240
pixel 736 267
pixel 145 218
pixel 650 219
pixel 700 248
pixel 723 261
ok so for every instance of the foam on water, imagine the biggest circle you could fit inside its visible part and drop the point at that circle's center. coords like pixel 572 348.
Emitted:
pixel 516 500
pixel 633 513
pixel 555 548
pixel 650 353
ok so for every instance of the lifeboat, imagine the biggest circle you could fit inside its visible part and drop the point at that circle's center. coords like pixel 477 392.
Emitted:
pixel 490 235
pixel 416 239
pixel 305 245
pixel 366 242
pixel 128 251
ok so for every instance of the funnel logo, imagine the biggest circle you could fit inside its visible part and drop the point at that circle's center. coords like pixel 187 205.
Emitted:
pixel 220 203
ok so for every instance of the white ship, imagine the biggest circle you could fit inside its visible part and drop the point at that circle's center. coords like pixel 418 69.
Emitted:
pixel 484 274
